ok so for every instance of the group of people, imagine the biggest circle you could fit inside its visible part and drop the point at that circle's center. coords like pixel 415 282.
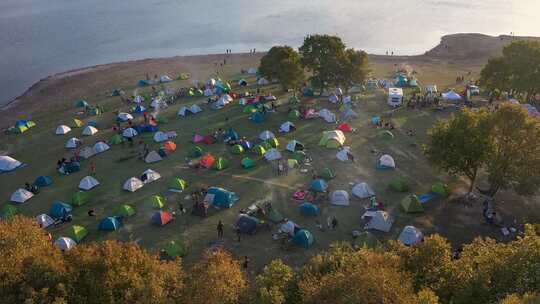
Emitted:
pixel 200 205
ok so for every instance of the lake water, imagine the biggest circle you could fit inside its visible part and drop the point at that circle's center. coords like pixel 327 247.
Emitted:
pixel 43 37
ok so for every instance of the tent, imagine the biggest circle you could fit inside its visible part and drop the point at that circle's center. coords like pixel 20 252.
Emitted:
pixel 195 109
pixel 259 150
pixel 169 146
pixel 178 184
pixel 129 133
pixel 44 220
pixel 309 209
pixel 109 223
pixel 77 123
pixel 343 154
pixel 89 131
pixel 208 160
pixel 197 138
pixel 340 198
pixel 221 164
pixel 116 139
pixel 333 98
pixel 21 195
pixel 410 235
pixel 266 145
pixel 247 224
pixel 287 127
pixel 126 210
pixel 303 238
pixel 80 198
pixel 319 185
pixel 386 135
pixel 100 147
pixel 272 154
pixel 327 115
pixel 184 111
pixel 161 218
pixel 451 96
pixel 247 162
pixel 209 139
pixel 386 162
pixel 64 243
pixel 165 79
pixel 362 190
pixel 160 136
pixel 70 167
pixel 8 163
pixel 208 92
pixel 174 249
pixel 266 135
pixel 221 198
pixel 292 163
pixel 366 239
pixel 402 81
pixel 258 117
pixel 133 184
pixel 294 145
pixel 242 83
pixel 211 82
pixel 73 143
pixel 327 173
pixel 247 145
pixel 152 157
pixel 308 92
pixel 289 227
pixel 81 104
pixel 139 109
pixel 232 134
pixel 272 142
pixel 252 71
pixel 345 127
pixel 332 139
pixel 348 115
pixel 43 181
pixel 262 81
pixel 158 202
pixel 399 185
pixel 411 204
pixel 149 176
pixel 124 117
pixel 250 109
pixel 88 182
pixel 60 210
pixel 78 233
pixel 195 151
pixel 440 189
pixel 8 211
pixel 237 149
pixel 294 114
pixel 87 152
pixel 62 129
pixel 380 220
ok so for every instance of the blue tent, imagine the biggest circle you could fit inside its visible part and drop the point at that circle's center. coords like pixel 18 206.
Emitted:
pixel 402 81
pixel 303 238
pixel 308 92
pixel 143 83
pixel 92 123
pixel 146 128
pixel 319 185
pixel 110 223
pixel 21 122
pixel 115 92
pixel 247 224
pixel 139 109
pixel 375 120
pixel 43 181
pixel 60 210
pixel 258 117
pixel 246 144
pixel 222 198
pixel 310 209
pixel 232 135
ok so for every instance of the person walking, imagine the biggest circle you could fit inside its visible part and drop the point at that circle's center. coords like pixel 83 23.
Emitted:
pixel 93 169
pixel 334 223
pixel 220 229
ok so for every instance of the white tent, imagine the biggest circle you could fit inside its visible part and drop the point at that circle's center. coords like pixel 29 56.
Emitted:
pixel 294 145
pixel 165 79
pixel 89 131
pixel 133 184
pixel 8 163
pixel 138 99
pixel 333 98
pixel 184 111
pixel 87 152
pixel 362 190
pixel 73 143
pixel 129 133
pixel 349 114
pixel 88 182
pixel 124 116
pixel 395 97
pixel 340 198
pixel 380 220
pixel 21 195
pixel 62 129
pixel 272 154
pixel 263 81
pixel 286 127
pixel 266 135
pixel 64 243
pixel 195 109
pixel 149 176
pixel 343 154
pixel 451 95
pixel 160 136
pixel 152 157
pixel 100 147
pixel 252 71
pixel 410 235
pixel 327 115
pixel 44 220
pixel 288 227
pixel 226 98
pixel 208 92
pixel 387 161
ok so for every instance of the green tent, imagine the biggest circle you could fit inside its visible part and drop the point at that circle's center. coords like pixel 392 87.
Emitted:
pixel 294 114
pixel 399 185
pixel 441 189
pixel 292 163
pixel 178 184
pixel 77 123
pixel 78 233
pixel 20 129
pixel 366 239
pixel 30 124
pixel 8 211
pixel 174 249
pixel 116 139
pixel 411 204
pixel 184 76
pixel 247 162
pixel 249 109
pixel 221 164
pixel 386 135
pixel 237 149
pixel 158 202
pixel 266 145
pixel 127 210
pixel 294 100
pixel 273 142
pixel 259 150
pixel 195 151
pixel 327 173
pixel 80 198
pixel 332 139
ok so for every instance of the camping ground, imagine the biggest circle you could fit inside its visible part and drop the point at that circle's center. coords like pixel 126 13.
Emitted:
pixel 39 148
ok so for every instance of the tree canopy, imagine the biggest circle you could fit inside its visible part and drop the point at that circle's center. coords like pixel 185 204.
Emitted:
pixel 283 63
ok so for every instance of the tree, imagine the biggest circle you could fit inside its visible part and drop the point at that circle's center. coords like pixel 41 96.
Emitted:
pixel 283 63
pixel 494 75
pixel 276 283
pixel 525 299
pixel 218 278
pixel 513 161
pixel 353 69
pixel 122 273
pixel 460 145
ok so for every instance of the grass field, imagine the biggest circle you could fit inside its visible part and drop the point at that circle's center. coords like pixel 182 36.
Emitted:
pixel 40 149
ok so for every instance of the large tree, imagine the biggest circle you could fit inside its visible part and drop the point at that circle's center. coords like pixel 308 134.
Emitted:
pixel 283 63
pixel 460 145
pixel 276 284
pixel 353 69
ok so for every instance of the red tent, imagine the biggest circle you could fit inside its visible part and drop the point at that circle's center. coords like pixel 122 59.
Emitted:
pixel 197 138
pixel 161 218
pixel 209 139
pixel 169 146
pixel 345 127
pixel 208 160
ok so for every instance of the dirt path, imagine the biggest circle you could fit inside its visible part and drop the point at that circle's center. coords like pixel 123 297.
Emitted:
pixel 261 181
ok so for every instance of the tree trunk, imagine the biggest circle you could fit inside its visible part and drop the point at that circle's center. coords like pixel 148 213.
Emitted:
pixel 472 180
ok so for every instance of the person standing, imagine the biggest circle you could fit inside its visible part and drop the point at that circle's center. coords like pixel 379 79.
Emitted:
pixel 93 169
pixel 220 229
pixel 245 264
pixel 238 234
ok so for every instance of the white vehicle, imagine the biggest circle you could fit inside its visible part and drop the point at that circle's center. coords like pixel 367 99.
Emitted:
pixel 395 97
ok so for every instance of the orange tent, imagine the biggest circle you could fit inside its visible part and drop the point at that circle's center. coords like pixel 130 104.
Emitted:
pixel 345 127
pixel 170 146
pixel 208 160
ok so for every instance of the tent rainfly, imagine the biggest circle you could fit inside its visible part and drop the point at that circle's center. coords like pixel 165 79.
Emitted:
pixel 21 195
pixel 133 184
pixel 340 198
pixel 89 131
pixel 62 129
pixel 362 190
pixel 8 163
pixel 88 183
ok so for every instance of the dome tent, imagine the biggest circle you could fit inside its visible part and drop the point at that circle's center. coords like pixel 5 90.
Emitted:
pixel 294 145
pixel 386 162
pixel 129 133
pixel 149 176
pixel 345 127
pixel 242 82
pixel 386 135
pixel 60 210
pixel 184 111
pixel 440 189
pixel 80 198
pixel 237 149
pixel 294 114
pixel 157 202
pixel 21 195
pixel 178 184
pixel 62 129
pixel 343 154
pixel 152 157
pixel 8 163
pixel 195 109
pixel 126 210
pixel 247 163
pixel 81 103
pixel 303 238
pixel 139 109
pixel 411 204
pixel 109 223
pixel 451 96
pixel 123 117
pixel 340 198
pixel 195 151
pixel 332 139
pixel 174 249
pixel 78 233
pixel 221 198
pixel 221 164
pixel 380 220
pixel 160 136
pixel 327 115
pixel 44 220
pixel 272 143
pixel 64 243
pixel 366 239
pixel 133 184
pixel 287 127
pixel 319 185
pixel 309 209
pixel 73 143
pixel 258 117
pixel 362 191
pixel 77 123
pixel 161 218
pixel 272 154
pixel 327 173
pixel 101 147
pixel 348 115
pixel 247 224
pixel 43 181
pixel 208 160
pixel 266 135
pixel 89 131
pixel 410 235
pixel 8 211
pixel 259 150
pixel 88 183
